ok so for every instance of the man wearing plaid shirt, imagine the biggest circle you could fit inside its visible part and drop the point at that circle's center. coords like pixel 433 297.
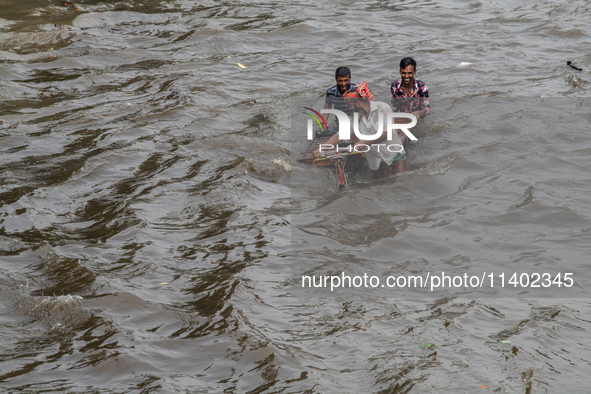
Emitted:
pixel 410 95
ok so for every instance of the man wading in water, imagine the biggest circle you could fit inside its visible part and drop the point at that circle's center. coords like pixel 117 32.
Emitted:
pixel 389 157
pixel 409 94
pixel 334 94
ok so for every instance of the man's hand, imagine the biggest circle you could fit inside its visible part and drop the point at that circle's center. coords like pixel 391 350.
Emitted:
pixel 419 114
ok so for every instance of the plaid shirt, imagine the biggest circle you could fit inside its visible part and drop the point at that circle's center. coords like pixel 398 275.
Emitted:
pixel 418 99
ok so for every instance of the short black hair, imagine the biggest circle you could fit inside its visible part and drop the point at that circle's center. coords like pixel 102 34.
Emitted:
pixel 342 72
pixel 408 61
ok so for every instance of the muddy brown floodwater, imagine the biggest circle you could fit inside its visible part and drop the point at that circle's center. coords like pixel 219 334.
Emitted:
pixel 155 226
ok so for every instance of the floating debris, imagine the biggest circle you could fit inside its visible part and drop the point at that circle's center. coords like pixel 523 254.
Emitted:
pixel 426 345
pixel 464 64
pixel 569 63
pixel 241 65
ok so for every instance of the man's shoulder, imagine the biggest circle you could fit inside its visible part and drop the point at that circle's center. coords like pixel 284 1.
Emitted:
pixel 332 91
pixel 396 88
pixel 421 85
